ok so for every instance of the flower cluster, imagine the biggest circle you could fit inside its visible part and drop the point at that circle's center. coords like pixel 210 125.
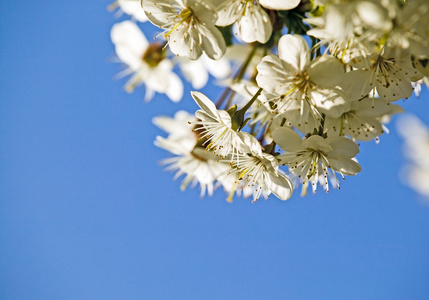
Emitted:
pixel 302 82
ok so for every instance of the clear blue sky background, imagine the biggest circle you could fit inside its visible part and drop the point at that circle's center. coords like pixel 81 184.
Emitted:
pixel 86 212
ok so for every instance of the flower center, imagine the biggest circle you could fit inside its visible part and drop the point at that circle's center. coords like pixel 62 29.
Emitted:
pixel 304 82
pixel 153 54
pixel 300 82
pixel 384 66
pixel 185 16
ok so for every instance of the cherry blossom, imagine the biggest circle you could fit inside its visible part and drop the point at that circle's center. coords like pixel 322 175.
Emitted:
pixel 146 62
pixel 189 26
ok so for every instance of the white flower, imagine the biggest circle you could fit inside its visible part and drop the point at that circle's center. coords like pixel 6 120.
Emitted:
pixel 146 61
pixel 350 29
pixel 301 84
pixel 312 157
pixel 198 166
pixel 260 170
pixel 214 126
pixel 410 29
pixel 189 25
pixel 190 160
pixel 390 76
pixel 362 122
pixel 343 21
pixel 178 130
pixel 253 21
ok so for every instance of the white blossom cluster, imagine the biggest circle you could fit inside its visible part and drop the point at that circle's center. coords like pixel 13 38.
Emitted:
pixel 302 82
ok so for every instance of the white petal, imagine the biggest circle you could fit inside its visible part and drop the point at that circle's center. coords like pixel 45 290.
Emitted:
pixel 212 42
pixel 148 94
pixel 205 103
pixel 165 123
pixel 194 71
pixel 363 129
pixel 306 121
pixel 206 118
pixel 171 145
pixel 356 84
pixel 273 73
pixel 331 102
pixel 160 12
pixel 279 4
pixel 270 162
pixel 281 186
pixel 325 71
pixel 393 88
pixel 338 22
pixel 318 143
pixel 155 79
pixel 315 21
pixel 133 8
pixel 224 118
pixel 319 33
pixel 342 148
pixel 373 15
pixel 346 167
pixel 228 12
pixel 287 139
pixel 175 87
pixel 249 144
pixel 184 41
pixel 372 107
pixel 205 11
pixel 294 50
pixel 177 125
pixel 255 25
pixel 130 43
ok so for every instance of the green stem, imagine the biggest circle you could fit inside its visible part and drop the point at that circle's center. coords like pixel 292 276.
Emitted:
pixel 238 118
pixel 247 106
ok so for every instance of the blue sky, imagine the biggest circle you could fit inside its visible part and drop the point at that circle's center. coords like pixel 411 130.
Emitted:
pixel 86 211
